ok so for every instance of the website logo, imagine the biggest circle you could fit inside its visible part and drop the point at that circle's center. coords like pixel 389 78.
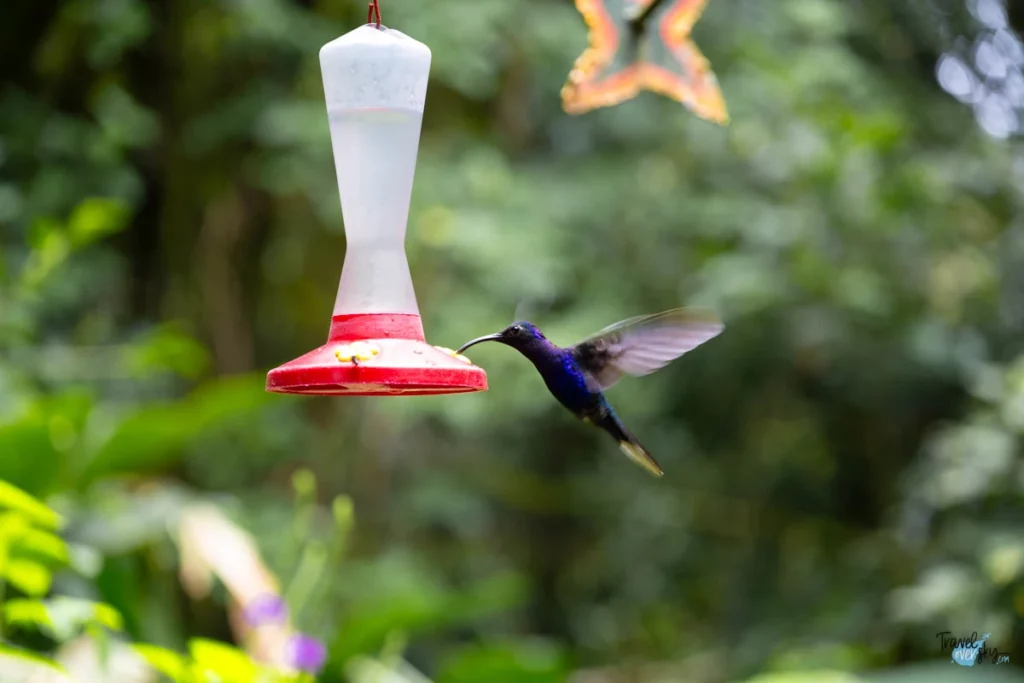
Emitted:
pixel 971 650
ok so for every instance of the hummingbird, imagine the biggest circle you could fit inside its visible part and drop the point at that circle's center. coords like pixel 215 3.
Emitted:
pixel 578 375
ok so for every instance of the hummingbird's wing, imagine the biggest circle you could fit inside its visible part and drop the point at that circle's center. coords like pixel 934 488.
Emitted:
pixel 639 346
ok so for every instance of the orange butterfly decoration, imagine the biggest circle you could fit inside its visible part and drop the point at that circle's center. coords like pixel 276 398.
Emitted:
pixel 643 44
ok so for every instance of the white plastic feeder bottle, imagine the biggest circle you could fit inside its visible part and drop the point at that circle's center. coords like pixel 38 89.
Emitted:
pixel 375 83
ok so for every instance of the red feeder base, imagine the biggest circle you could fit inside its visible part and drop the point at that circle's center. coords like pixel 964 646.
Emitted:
pixel 402 362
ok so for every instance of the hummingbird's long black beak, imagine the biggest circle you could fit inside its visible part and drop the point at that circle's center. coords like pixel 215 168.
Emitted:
pixel 473 342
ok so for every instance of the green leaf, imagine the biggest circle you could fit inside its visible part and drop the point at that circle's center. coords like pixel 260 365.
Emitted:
pixel 26 552
pixel 807 677
pixel 94 219
pixel 123 120
pixel 168 349
pixel 27 613
pixel 171 664
pixel 157 435
pixel 62 617
pixel 227 662
pixel 12 526
pixel 51 249
pixel 420 607
pixel 40 545
pixel 151 437
pixel 229 398
pixel 488 596
pixel 106 615
pixel 28 435
pixel 13 498
pixel 27 576
pixel 526 662
pixel 68 615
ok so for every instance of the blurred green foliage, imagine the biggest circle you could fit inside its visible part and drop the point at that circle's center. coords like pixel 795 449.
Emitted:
pixel 843 471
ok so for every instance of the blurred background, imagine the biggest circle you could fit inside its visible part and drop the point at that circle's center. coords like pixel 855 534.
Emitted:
pixel 843 465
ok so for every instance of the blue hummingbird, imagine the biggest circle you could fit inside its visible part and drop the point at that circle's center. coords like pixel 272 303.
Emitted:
pixel 578 375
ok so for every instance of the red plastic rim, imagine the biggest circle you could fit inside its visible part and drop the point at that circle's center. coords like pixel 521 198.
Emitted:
pixel 405 364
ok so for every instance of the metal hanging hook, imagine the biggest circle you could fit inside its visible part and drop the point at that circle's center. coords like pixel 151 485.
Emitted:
pixel 373 13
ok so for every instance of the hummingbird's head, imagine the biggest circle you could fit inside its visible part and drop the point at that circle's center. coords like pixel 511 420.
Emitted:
pixel 518 335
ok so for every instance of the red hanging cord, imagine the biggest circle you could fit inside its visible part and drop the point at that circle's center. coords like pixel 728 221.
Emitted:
pixel 373 13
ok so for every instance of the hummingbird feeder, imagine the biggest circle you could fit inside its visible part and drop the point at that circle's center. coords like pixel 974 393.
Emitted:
pixel 375 83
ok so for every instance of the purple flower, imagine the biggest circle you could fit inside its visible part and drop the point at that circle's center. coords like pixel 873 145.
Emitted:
pixel 306 653
pixel 266 609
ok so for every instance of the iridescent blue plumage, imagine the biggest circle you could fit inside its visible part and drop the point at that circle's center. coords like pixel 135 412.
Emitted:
pixel 578 375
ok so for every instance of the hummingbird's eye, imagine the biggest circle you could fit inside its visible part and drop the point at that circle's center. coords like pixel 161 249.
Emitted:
pixel 517 330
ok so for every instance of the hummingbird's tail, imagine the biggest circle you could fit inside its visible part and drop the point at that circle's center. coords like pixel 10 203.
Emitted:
pixel 629 444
